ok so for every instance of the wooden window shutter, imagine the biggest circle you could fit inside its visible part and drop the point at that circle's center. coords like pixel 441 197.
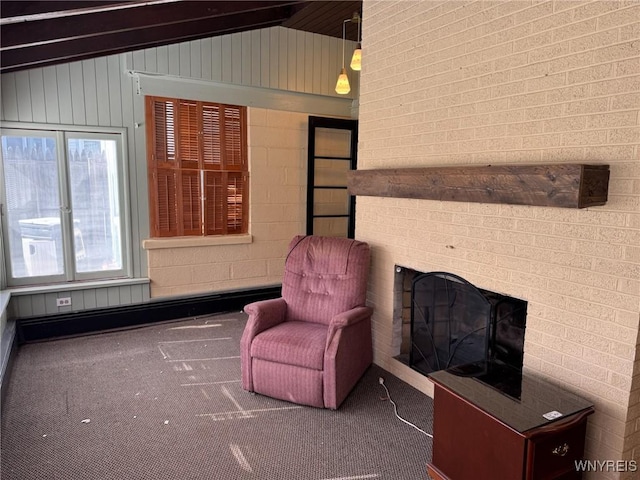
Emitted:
pixel 160 119
pixel 165 214
pixel 214 198
pixel 226 203
pixel 237 202
pixel 234 137
pixel 211 137
pixel 161 131
pixel 197 164
pixel 189 134
pixel 191 202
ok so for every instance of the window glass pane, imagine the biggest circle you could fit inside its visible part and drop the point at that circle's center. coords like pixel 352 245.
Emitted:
pixel 33 205
pixel 331 173
pixel 331 227
pixel 332 142
pixel 93 176
pixel 330 201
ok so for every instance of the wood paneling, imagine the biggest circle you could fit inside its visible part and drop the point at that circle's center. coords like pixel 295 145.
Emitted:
pixel 43 304
pixel 99 92
pixel 36 86
pixel 276 58
pixel 51 97
pixel 9 97
pixel 23 92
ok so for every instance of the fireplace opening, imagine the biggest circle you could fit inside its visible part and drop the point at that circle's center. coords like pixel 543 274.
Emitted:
pixel 448 323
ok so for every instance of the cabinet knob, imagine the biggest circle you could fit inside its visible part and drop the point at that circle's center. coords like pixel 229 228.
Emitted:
pixel 561 450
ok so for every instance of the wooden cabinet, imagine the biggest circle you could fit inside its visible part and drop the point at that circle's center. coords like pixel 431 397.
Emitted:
pixel 482 434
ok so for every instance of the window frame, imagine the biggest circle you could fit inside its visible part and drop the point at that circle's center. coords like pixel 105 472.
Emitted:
pixel 187 171
pixel 61 133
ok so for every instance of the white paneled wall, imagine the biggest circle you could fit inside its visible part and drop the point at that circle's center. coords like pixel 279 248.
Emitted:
pixel 98 92
pixel 275 58
pixel 42 304
pixel 269 64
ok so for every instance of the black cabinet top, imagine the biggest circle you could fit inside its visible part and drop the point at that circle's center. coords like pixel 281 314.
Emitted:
pixel 539 401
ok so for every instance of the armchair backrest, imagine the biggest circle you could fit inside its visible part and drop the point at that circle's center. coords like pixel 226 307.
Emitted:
pixel 324 276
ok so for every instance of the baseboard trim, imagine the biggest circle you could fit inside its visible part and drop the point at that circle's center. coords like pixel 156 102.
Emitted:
pixel 91 321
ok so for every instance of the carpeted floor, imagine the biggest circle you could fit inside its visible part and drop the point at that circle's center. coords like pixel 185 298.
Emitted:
pixel 165 402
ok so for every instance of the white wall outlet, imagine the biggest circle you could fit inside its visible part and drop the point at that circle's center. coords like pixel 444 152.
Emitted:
pixel 63 302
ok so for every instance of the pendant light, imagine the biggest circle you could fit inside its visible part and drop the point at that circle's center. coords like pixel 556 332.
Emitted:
pixel 342 85
pixel 356 59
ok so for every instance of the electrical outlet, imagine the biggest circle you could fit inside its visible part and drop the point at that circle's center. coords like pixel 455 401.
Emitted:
pixel 63 302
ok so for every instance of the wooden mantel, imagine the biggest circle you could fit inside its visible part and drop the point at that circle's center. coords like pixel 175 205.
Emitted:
pixel 559 185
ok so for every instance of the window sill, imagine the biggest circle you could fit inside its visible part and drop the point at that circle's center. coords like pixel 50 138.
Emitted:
pixel 71 286
pixel 186 242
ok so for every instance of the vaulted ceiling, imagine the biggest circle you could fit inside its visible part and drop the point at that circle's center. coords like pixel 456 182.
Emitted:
pixel 40 33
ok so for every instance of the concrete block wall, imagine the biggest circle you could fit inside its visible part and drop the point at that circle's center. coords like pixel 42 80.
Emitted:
pixel 452 82
pixel 277 192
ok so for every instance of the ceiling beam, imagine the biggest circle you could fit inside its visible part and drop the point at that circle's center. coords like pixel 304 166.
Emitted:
pixel 20 8
pixel 136 16
pixel 116 32
pixel 41 33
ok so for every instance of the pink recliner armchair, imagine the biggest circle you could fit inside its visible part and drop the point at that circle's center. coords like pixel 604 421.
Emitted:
pixel 313 344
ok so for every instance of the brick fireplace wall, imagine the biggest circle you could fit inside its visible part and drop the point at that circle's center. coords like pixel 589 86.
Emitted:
pixel 478 82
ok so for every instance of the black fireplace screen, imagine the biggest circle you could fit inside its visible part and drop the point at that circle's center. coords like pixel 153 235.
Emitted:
pixel 467 330
pixel 450 322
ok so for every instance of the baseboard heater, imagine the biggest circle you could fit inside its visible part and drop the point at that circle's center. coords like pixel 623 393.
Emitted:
pixel 34 329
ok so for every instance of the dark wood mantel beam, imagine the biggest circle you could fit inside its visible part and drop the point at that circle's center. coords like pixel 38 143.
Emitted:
pixel 560 185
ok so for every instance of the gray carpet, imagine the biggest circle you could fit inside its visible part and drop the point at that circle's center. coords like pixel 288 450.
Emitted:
pixel 165 402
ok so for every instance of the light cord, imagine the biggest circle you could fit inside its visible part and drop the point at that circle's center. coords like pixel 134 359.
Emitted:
pixel 344 34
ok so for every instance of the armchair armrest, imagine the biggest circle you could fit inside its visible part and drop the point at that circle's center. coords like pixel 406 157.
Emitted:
pixel 265 314
pixel 348 353
pixel 262 316
pixel 346 319
pixel 350 317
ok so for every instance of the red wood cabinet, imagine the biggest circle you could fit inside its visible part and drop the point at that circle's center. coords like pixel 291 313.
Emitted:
pixel 481 434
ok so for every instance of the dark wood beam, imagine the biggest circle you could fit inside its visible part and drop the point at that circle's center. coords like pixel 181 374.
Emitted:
pixel 18 8
pixel 132 17
pixel 91 45
pixel 561 185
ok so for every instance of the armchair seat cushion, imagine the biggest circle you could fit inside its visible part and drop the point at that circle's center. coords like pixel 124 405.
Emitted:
pixel 293 343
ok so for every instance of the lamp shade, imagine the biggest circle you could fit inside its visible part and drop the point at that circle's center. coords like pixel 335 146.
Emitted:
pixel 342 85
pixel 356 59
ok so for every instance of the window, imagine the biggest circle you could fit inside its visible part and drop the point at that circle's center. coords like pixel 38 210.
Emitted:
pixel 63 194
pixel 198 175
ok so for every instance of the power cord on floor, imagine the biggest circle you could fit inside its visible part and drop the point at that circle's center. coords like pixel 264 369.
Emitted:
pixel 395 409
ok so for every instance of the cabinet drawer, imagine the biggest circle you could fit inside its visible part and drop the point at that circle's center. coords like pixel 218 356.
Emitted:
pixel 554 455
